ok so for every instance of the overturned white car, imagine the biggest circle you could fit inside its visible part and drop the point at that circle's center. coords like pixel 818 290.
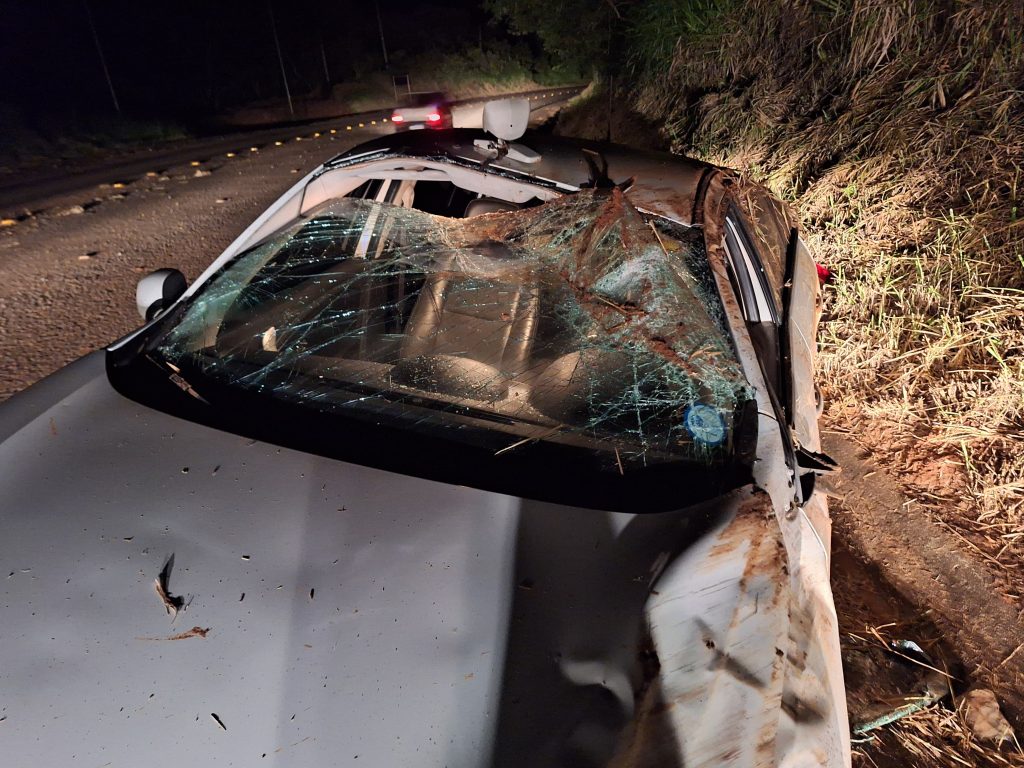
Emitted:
pixel 465 453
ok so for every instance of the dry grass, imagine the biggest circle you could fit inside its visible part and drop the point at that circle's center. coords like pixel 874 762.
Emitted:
pixel 932 738
pixel 935 737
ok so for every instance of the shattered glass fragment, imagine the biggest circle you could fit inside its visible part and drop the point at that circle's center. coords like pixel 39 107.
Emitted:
pixel 577 321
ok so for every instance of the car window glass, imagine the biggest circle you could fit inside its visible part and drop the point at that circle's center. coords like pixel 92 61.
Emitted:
pixel 758 302
pixel 573 321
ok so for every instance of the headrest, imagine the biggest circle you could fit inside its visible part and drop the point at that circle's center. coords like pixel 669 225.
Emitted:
pixel 488 205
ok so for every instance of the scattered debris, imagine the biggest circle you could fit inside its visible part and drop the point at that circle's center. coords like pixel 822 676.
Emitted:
pixel 931 686
pixel 311 593
pixel 172 603
pixel 200 173
pixel 194 632
pixel 184 470
pixel 981 713
pixel 8 222
pixel 242 597
pixel 218 720
pixel 247 557
pixel 53 426
pixel 74 210
pixel 222 199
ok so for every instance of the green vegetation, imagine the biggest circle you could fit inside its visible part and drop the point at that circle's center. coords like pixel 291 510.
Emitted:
pixel 495 67
pixel 576 33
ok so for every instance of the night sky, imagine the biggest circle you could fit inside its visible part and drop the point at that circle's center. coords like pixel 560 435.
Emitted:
pixel 188 59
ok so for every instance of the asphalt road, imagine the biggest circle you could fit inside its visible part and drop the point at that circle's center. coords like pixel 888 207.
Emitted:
pixel 77 246
pixel 21 195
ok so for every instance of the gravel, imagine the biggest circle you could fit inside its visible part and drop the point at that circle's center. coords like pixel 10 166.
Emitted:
pixel 68 268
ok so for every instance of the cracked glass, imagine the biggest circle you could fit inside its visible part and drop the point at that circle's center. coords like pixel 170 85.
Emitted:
pixel 578 321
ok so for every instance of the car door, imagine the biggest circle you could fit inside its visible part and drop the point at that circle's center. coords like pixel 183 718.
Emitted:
pixel 777 283
pixel 801 326
pixel 790 275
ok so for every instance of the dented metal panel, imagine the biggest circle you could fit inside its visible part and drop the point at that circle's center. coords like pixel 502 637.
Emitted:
pixel 813 727
pixel 327 610
pixel 662 183
pixel 718 622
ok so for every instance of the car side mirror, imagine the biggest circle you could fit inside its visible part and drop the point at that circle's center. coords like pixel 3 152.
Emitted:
pixel 157 291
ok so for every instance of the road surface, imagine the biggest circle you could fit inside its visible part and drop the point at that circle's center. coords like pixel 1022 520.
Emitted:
pixel 74 245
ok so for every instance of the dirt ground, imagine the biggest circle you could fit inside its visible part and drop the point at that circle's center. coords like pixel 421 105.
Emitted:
pixel 68 270
pixel 899 575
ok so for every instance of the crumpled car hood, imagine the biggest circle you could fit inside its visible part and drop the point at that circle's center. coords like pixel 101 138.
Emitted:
pixel 331 613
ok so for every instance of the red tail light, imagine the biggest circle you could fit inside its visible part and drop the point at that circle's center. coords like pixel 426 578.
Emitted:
pixel 397 118
pixel 433 117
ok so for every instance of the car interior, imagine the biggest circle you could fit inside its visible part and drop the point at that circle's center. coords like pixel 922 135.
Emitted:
pixel 368 301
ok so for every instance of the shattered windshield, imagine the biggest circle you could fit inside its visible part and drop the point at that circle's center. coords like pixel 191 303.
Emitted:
pixel 577 321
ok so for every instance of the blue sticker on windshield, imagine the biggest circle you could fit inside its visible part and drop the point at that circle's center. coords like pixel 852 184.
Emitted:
pixel 705 423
